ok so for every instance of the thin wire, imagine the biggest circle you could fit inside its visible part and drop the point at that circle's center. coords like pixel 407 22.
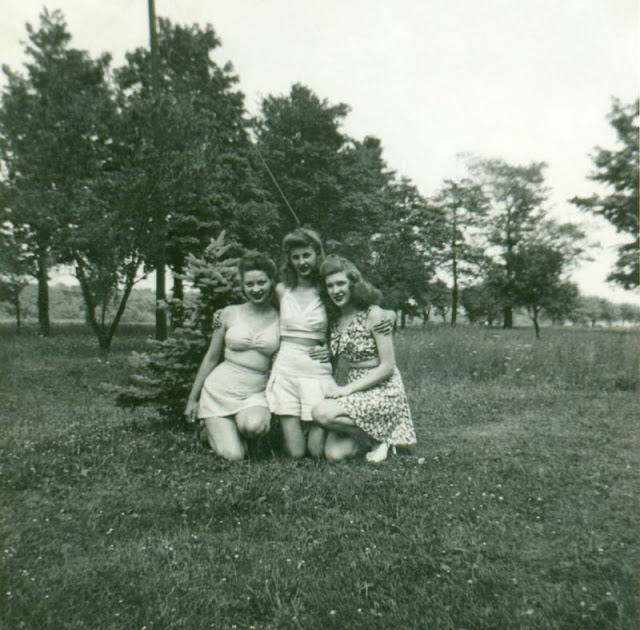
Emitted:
pixel 254 146
pixel 275 182
pixel 242 123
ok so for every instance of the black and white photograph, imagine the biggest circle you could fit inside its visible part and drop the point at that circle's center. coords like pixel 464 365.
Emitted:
pixel 319 315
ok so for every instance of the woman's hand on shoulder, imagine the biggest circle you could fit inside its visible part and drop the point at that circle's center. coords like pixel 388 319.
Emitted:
pixel 220 319
pixel 381 320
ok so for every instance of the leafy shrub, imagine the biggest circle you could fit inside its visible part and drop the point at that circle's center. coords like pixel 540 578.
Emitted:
pixel 162 377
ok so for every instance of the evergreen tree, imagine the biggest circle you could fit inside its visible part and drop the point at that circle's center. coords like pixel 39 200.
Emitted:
pixel 162 378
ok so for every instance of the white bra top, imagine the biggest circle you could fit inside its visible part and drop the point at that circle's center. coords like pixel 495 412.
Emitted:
pixel 309 322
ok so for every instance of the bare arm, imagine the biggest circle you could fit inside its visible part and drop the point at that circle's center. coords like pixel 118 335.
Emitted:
pixel 386 354
pixel 210 360
pixel 387 324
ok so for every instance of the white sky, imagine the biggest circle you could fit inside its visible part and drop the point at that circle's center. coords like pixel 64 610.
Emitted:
pixel 522 80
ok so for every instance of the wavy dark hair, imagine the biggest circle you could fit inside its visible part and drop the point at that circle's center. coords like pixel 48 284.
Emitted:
pixel 300 237
pixel 257 261
pixel 362 293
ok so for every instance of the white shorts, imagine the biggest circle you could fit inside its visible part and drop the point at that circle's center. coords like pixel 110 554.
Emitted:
pixel 231 388
pixel 297 381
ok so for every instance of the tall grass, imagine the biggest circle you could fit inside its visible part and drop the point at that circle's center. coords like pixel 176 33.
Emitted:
pixel 517 509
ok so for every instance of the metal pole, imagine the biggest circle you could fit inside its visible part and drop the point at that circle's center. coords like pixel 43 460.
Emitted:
pixel 161 294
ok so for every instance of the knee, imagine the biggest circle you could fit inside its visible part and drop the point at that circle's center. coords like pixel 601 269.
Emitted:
pixel 230 453
pixel 339 448
pixel 254 425
pixel 321 413
pixel 333 454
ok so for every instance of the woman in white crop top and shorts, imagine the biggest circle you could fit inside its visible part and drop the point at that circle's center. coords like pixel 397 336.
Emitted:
pixel 229 389
pixel 301 375
pixel 301 372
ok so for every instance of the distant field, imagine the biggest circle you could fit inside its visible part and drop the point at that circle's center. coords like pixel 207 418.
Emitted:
pixel 518 509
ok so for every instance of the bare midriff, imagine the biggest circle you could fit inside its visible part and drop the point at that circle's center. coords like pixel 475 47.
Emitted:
pixel 302 341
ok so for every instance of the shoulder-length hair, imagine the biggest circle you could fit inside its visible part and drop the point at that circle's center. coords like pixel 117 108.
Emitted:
pixel 362 293
pixel 300 237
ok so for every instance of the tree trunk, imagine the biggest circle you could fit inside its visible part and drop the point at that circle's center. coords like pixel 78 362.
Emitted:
pixel 177 310
pixel 536 324
pixel 454 301
pixel 16 305
pixel 507 321
pixel 43 292
pixel 454 268
pixel 104 333
pixel 90 306
pixel 403 317
pixel 161 303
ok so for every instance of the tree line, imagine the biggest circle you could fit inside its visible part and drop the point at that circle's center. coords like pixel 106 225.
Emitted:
pixel 66 304
pixel 123 171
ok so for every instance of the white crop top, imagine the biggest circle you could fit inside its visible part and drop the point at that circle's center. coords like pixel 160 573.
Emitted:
pixel 309 322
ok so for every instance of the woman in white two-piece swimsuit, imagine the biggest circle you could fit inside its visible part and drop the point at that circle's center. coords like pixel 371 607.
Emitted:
pixel 228 393
pixel 301 374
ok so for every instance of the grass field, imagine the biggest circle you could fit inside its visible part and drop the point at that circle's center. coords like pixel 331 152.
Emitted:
pixel 518 508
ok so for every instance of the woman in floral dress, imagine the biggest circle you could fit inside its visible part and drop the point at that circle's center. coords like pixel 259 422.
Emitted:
pixel 372 406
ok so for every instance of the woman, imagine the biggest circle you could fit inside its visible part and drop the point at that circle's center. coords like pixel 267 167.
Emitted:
pixel 301 373
pixel 372 407
pixel 229 389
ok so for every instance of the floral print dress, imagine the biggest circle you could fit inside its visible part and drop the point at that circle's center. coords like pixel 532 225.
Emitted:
pixel 381 411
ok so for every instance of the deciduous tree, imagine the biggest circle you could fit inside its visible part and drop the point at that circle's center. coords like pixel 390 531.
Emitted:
pixel 15 268
pixel 465 207
pixel 47 140
pixel 538 282
pixel 189 144
pixel 516 195
pixel 618 169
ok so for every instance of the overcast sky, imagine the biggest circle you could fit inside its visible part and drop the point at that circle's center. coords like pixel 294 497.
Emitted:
pixel 525 80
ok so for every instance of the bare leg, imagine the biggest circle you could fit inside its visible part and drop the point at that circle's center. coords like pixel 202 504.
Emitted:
pixel 349 439
pixel 293 435
pixel 253 422
pixel 224 438
pixel 330 415
pixel 315 440
pixel 340 447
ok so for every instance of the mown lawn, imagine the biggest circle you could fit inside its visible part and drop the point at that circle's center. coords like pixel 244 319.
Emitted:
pixel 518 509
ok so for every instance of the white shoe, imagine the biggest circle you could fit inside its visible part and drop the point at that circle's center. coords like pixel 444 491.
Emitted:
pixel 378 454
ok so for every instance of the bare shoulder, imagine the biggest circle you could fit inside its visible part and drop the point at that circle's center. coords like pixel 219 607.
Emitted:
pixel 388 314
pixel 222 316
pixel 280 289
pixel 376 315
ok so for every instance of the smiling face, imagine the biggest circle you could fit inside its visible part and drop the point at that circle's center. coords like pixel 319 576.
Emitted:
pixel 304 260
pixel 257 286
pixel 339 288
